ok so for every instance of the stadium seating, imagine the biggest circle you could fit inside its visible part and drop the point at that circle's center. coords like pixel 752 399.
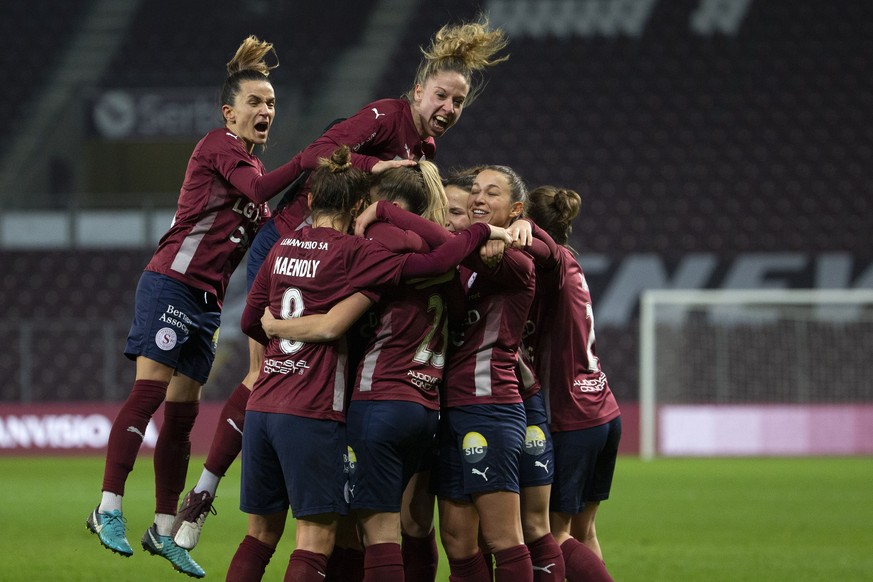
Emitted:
pixel 679 141
pixel 167 51
pixel 34 36
pixel 74 304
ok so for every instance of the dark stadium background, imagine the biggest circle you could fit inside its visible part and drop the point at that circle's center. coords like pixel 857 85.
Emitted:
pixel 715 145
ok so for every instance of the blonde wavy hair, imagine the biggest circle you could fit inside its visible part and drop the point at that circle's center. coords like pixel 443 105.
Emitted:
pixel 466 49
pixel 420 187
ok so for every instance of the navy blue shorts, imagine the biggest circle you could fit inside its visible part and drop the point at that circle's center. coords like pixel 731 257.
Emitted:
pixel 264 241
pixel 387 440
pixel 174 324
pixel 537 464
pixel 584 465
pixel 292 461
pixel 479 451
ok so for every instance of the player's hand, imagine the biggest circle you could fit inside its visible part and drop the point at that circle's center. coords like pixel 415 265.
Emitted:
pixel 500 234
pixel 521 233
pixel 365 219
pixel 383 165
pixel 267 322
pixel 491 252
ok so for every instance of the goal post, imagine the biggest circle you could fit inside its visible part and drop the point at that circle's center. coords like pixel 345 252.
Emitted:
pixel 756 372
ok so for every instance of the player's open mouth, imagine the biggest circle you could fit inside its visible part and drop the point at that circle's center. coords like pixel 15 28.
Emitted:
pixel 441 122
pixel 262 126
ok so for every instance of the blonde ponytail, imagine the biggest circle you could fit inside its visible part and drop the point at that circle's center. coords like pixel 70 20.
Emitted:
pixel 466 49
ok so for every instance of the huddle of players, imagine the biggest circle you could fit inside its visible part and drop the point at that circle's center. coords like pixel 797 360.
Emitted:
pixel 437 343
pixel 458 339
pixel 435 336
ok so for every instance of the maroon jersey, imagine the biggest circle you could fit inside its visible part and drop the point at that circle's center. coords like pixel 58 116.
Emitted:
pixel 482 364
pixel 406 356
pixel 528 382
pixel 566 364
pixel 215 221
pixel 309 273
pixel 302 275
pixel 382 130
pixel 544 252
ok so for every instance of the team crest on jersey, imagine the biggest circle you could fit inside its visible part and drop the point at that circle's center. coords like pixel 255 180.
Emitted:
pixel 534 441
pixel 475 447
pixel 166 338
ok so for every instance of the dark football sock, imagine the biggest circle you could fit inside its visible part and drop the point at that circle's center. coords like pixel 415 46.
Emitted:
pixel 582 564
pixel 305 566
pixel 172 452
pixel 128 431
pixel 472 569
pixel 227 440
pixel 383 562
pixel 548 562
pixel 420 558
pixel 513 564
pixel 250 561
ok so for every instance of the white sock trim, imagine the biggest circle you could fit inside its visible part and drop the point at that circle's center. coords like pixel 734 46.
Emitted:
pixel 110 502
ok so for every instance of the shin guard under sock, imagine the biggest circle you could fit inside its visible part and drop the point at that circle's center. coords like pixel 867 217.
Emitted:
pixel 172 452
pixel 513 564
pixel 472 569
pixel 128 431
pixel 548 562
pixel 306 566
pixel 420 558
pixel 383 562
pixel 582 564
pixel 250 561
pixel 227 440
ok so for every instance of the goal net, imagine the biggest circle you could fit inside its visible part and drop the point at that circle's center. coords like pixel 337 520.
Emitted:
pixel 756 372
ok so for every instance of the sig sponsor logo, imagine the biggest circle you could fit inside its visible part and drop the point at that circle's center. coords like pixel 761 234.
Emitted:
pixel 475 447
pixel 350 463
pixel 60 431
pixel 534 441
pixel 350 460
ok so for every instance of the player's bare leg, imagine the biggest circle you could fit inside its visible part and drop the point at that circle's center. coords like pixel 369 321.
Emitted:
pixel 257 548
pixel 418 545
pixel 316 536
pixel 381 535
pixel 500 520
pixel 580 561
pixel 545 553
pixel 583 529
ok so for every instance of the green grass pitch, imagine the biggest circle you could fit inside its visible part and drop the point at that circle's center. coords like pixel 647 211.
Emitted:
pixel 676 520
